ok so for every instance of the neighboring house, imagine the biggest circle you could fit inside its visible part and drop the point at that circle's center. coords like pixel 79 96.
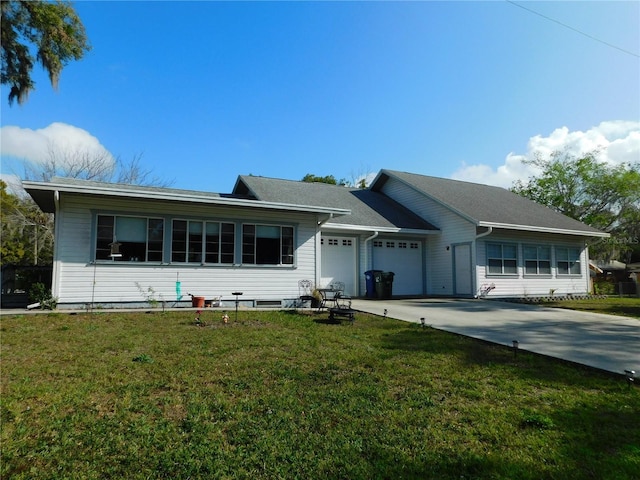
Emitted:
pixel 439 237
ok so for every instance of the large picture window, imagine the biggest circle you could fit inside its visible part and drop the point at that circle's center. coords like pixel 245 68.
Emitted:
pixel 537 260
pixel 134 239
pixel 197 241
pixel 267 245
pixel 502 259
pixel 568 260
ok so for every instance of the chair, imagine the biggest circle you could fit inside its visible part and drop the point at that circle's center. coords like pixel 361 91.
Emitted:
pixel 305 289
pixel 337 287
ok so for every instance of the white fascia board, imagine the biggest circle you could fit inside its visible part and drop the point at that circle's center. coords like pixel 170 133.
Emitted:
pixel 361 228
pixel 533 228
pixel 189 197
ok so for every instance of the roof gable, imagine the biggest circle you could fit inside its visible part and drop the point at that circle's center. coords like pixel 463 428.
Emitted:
pixel 487 205
pixel 368 208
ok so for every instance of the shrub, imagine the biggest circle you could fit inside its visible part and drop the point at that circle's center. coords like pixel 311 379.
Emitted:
pixel 41 294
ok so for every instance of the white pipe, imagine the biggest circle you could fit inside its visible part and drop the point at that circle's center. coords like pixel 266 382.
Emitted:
pixel 484 234
pixel 367 240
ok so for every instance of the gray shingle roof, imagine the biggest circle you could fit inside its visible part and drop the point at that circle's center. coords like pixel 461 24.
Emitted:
pixel 484 204
pixel 368 208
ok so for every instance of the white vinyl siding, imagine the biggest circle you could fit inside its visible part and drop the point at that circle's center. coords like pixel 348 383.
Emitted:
pixel 454 229
pixel 525 283
pixel 78 279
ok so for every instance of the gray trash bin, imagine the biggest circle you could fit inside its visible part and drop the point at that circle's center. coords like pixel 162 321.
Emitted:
pixel 384 284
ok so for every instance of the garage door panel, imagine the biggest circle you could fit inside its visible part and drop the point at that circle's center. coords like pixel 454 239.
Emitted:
pixel 339 262
pixel 404 258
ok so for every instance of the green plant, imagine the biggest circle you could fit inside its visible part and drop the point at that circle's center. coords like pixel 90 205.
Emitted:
pixel 41 294
pixel 604 287
pixel 143 358
pixel 536 420
pixel 149 295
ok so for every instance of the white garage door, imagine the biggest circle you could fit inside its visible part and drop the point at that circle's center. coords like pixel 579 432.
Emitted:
pixel 404 258
pixel 339 262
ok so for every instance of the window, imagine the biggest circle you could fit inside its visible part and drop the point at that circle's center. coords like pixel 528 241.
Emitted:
pixel 502 259
pixel 568 260
pixel 267 244
pixel 377 243
pixel 402 244
pixel 197 241
pixel 137 239
pixel 537 260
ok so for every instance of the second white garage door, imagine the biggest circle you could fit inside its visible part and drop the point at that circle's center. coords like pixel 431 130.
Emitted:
pixel 339 262
pixel 404 258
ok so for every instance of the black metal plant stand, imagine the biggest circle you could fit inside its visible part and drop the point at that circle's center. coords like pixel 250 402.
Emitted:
pixel 237 294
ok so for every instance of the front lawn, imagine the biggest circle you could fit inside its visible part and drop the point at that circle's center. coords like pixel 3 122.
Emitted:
pixel 280 395
pixel 626 306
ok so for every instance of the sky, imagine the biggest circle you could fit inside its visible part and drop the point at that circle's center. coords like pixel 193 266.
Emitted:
pixel 206 91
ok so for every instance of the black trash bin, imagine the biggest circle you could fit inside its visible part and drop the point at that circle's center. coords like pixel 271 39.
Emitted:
pixel 370 279
pixel 384 284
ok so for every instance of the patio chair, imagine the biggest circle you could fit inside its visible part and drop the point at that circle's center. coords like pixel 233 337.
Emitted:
pixel 305 289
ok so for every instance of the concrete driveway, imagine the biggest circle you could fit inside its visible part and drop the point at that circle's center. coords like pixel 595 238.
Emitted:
pixel 607 342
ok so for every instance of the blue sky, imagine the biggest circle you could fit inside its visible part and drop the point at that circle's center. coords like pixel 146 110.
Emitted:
pixel 210 90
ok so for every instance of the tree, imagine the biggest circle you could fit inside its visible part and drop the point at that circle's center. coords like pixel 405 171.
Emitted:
pixel 52 29
pixel 330 179
pixel 582 187
pixel 90 165
pixel 27 232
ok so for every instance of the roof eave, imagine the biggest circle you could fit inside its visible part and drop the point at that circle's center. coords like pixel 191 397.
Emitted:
pixel 370 228
pixel 177 197
pixel 533 228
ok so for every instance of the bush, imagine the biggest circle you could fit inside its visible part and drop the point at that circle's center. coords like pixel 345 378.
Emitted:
pixel 604 287
pixel 41 294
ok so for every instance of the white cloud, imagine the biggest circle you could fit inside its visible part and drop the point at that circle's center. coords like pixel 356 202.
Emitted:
pixel 37 146
pixel 618 142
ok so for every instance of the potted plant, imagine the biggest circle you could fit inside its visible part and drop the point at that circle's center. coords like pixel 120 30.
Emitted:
pixel 316 301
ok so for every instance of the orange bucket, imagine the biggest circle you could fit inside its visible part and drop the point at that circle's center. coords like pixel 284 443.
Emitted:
pixel 197 302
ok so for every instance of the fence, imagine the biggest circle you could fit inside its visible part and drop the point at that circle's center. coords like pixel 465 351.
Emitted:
pixel 17 281
pixel 627 289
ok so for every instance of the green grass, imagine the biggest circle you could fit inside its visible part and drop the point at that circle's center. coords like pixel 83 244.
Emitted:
pixel 629 307
pixel 284 395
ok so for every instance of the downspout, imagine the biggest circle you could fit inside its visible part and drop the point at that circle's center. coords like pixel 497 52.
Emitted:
pixel 367 240
pixel 484 234
pixel 55 284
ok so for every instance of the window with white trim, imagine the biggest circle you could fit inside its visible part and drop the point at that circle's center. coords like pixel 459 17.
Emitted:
pixel 502 259
pixel 133 239
pixel 537 260
pixel 267 244
pixel 198 241
pixel 568 260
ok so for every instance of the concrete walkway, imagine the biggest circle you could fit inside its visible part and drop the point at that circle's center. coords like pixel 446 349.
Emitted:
pixel 606 342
